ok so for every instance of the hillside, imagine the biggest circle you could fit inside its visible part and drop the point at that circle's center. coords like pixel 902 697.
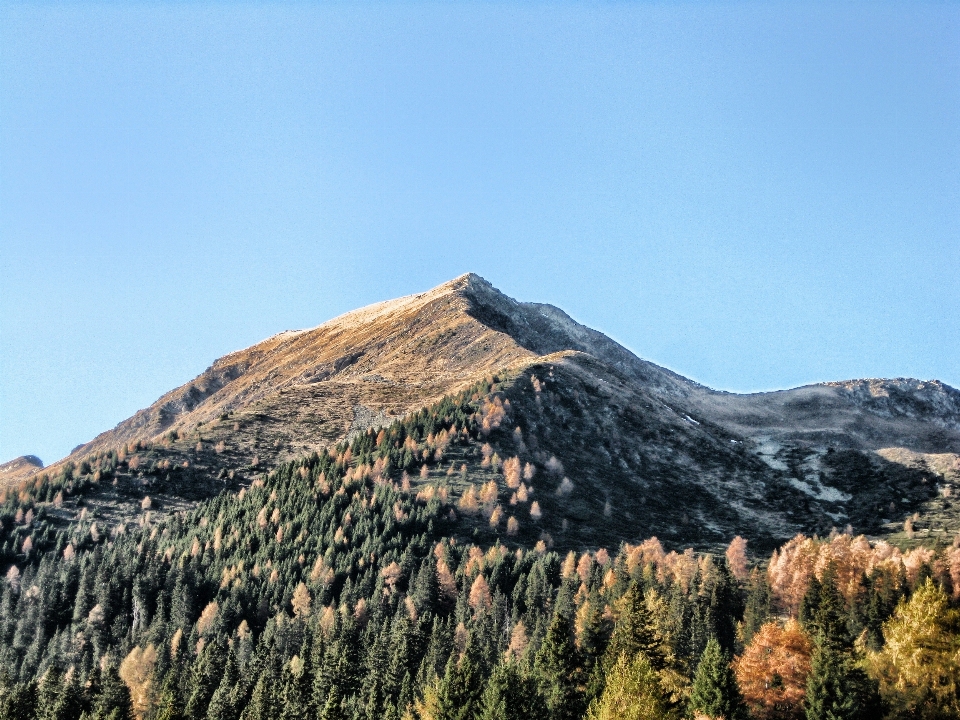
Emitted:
pixel 454 506
pixel 18 469
pixel 612 440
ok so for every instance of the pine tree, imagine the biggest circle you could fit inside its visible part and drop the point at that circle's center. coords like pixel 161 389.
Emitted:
pixel 71 703
pixel 333 706
pixel 715 692
pixel 559 667
pixel 205 678
pixel 170 704
pixel 512 694
pixel 264 702
pixel 634 632
pixel 19 702
pixel 757 608
pixel 837 688
pixel 114 701
pixel 48 695
pixel 726 607
pixel 296 691
pixel 458 693
pixel 222 703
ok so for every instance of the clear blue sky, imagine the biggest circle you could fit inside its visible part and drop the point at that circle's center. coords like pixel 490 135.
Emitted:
pixel 754 195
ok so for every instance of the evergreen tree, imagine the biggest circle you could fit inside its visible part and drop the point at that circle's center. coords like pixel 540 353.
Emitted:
pixel 634 632
pixel 19 702
pixel 48 695
pixel 114 701
pixel 296 691
pixel 715 692
pixel 558 665
pixel 169 702
pixel 725 607
pixel 512 694
pixel 333 706
pixel 810 606
pixel 264 702
pixel 757 607
pixel 71 704
pixel 204 680
pixel 222 705
pixel 458 693
pixel 837 689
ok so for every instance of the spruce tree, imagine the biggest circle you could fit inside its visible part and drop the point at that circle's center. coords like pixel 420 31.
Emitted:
pixel 114 702
pixel 333 706
pixel 558 665
pixel 170 701
pixel 459 691
pixel 204 680
pixel 19 702
pixel 512 694
pixel 757 608
pixel 726 607
pixel 296 691
pixel 222 703
pixel 48 695
pixel 837 688
pixel 634 632
pixel 715 692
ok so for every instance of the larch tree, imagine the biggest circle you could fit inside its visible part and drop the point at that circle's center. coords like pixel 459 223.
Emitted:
pixel 919 665
pixel 773 670
pixel 632 692
pixel 737 558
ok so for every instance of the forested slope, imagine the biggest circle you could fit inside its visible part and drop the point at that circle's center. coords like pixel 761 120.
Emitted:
pixel 379 579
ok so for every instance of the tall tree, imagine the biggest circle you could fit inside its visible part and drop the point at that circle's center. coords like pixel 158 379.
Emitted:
pixel 837 688
pixel 634 632
pixel 114 701
pixel 512 694
pixel 632 692
pixel 459 691
pixel 559 667
pixel 773 669
pixel 919 665
pixel 715 692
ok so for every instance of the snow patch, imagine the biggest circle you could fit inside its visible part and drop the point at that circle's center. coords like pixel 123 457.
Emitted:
pixel 820 492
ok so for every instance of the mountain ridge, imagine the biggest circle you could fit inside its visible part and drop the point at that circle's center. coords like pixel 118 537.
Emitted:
pixel 630 433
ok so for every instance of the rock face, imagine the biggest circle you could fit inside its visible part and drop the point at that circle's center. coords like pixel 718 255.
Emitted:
pixel 623 448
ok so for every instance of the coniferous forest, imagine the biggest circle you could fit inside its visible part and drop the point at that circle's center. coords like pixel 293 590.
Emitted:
pixel 377 580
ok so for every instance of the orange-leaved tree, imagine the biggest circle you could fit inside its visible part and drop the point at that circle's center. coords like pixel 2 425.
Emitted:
pixel 773 670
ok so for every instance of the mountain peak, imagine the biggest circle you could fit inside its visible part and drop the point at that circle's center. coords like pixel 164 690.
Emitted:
pixel 19 468
pixel 629 432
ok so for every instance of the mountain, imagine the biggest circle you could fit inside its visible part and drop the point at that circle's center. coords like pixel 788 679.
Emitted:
pixel 617 448
pixel 19 469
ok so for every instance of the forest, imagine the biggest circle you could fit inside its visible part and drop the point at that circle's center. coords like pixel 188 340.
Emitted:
pixel 382 580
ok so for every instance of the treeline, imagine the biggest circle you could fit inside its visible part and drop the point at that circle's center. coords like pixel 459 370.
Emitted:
pixel 347 585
